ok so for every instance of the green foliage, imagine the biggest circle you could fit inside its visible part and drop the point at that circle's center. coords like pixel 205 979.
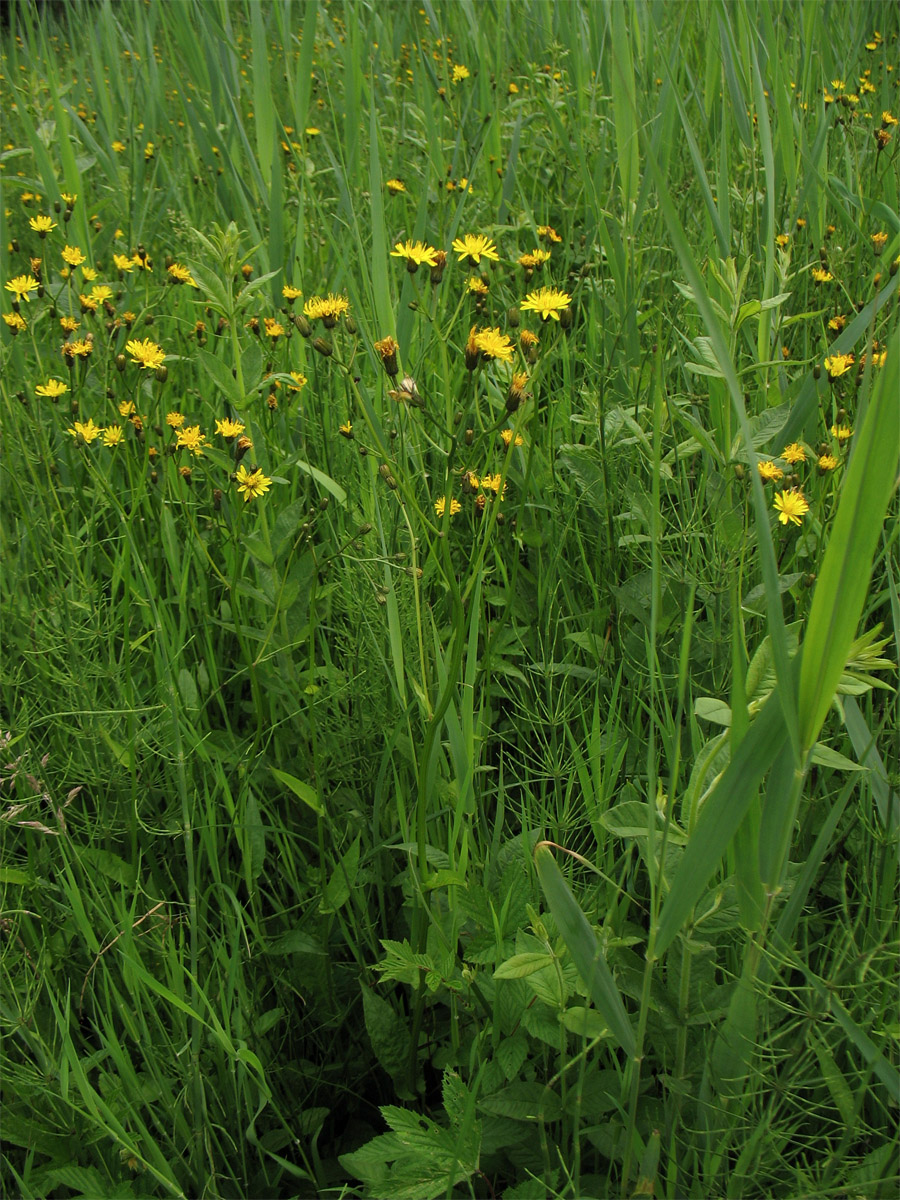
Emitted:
pixel 461 765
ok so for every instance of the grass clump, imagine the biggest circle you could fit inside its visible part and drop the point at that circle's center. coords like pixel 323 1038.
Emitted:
pixel 450 612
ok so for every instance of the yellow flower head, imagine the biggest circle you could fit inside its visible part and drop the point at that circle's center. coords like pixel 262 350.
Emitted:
pixel 459 73
pixel 41 225
pixel 791 506
pixel 548 234
pixel 228 428
pixel 16 322
pixel 145 353
pixel 838 364
pixel 300 381
pixel 879 240
pixel 843 433
pixel 827 462
pixel 415 254
pixel 475 247
pixel 507 436
pixel 494 344
pixel 291 293
pixel 54 388
pixel 113 435
pixel 274 329
pixel 821 275
pixel 476 286
pixel 547 301
pixel 73 256
pixel 793 453
pixel 440 506
pixel 85 432
pixel 191 439
pixel 180 274
pixel 21 286
pixel 174 420
pixel 394 186
pixel 251 484
pixel 768 471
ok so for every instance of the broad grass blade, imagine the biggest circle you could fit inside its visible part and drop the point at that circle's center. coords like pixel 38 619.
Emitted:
pixel 582 943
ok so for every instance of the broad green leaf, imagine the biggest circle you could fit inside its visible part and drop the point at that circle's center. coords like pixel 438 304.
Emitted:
pixel 306 792
pixel 584 948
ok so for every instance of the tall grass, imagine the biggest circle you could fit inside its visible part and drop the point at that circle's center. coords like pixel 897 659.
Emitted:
pixel 357 845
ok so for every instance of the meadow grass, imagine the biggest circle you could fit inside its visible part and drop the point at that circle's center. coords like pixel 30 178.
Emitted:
pixel 450 599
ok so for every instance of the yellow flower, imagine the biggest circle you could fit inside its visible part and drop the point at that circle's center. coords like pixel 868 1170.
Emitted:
pixel 507 436
pixel 274 329
pixel 145 353
pixel 475 247
pixel 126 408
pixel 440 507
pixel 827 462
pixel 879 241
pixel 887 119
pixel 300 381
pixel 513 89
pixel 837 323
pixel 21 285
pixel 791 506
pixel 69 199
pixel 311 131
pixel 16 322
pixel 174 420
pixel 149 151
pixel 346 430
pixel 41 225
pixel 73 256
pixel 547 301
pixel 54 388
pixel 88 303
pixel 113 435
pixel 291 293
pixel 838 364
pixel 123 262
pixel 191 439
pixel 768 471
pixel 101 293
pixel 415 254
pixel 329 308
pixel 180 274
pixel 548 234
pixel 843 433
pixel 228 428
pixel 821 275
pixel 395 185
pixel 793 453
pixel 459 73
pixel 475 285
pixel 251 484
pixel 494 344
pixel 118 146
pixel 534 259
pixel 85 432
pixel 68 324
pixel 78 349
pixel 88 274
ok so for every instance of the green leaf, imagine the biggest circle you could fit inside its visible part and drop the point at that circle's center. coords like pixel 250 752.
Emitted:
pixel 305 791
pixel 388 1034
pixel 584 948
pixel 521 965
pixel 337 890
pixel 844 578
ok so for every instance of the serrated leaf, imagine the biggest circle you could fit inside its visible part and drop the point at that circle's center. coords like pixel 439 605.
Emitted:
pixel 387 1033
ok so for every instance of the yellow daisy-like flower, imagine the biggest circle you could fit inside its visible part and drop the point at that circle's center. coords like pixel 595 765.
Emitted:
pixel 843 433
pixel 251 484
pixel 73 256
pixel 888 119
pixel 534 259
pixel 41 225
pixel 291 293
pixel 15 322
pixel 769 472
pixel 174 420
pixel 879 241
pixel 82 348
pixel 328 308
pixel 101 293
pixel 54 388
pixel 228 428
pixel 88 303
pixel 782 240
pixel 180 274
pixel 507 436
pixel 274 329
pixel 475 247
pixel 459 73
pixel 415 254
pixel 145 353
pixel 440 507
pixel 346 430
pixel 312 131
pixel 126 408
pixel 149 151
pixel 793 453
pixel 118 146
pixel 123 262
pixel 300 381
pixel 822 275
pixel 548 234
pixel 69 199
pixel 21 286
pixel 191 439
pixel 113 435
pixel 89 274
pixel 548 302
pixel 476 286
pixel 85 432
pixel 838 364
pixel 837 323
pixel 395 186
pixel 494 344
pixel 827 462
pixel 791 506
pixel 68 324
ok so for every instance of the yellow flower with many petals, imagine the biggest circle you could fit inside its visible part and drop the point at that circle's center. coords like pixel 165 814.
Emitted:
pixel 145 353
pixel 21 286
pixel 494 344
pixel 548 302
pixel 251 484
pixel 113 435
pixel 41 225
pixel 191 439
pixel 415 254
pixel 85 432
pixel 73 256
pixel 791 506
pixel 440 507
pixel 475 247
pixel 793 453
pixel 54 388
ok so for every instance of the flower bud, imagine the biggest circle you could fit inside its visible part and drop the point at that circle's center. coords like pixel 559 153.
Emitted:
pixel 324 348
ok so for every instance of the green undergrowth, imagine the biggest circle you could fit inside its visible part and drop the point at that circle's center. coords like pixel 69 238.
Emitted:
pixel 449 600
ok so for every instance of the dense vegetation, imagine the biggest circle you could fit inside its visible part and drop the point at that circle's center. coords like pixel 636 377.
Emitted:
pixel 449 599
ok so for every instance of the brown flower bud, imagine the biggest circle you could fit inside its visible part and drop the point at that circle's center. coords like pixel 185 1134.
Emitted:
pixel 324 348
